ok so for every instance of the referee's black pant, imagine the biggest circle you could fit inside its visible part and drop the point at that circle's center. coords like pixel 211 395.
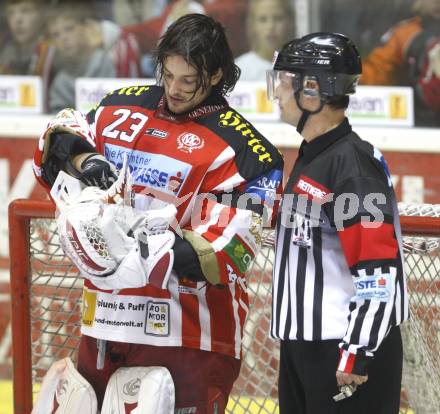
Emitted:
pixel 307 379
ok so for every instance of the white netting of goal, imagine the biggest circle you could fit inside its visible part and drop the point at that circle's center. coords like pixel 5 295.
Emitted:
pixel 55 294
pixel 421 334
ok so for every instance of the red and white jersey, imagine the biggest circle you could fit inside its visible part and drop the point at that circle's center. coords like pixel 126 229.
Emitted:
pixel 212 150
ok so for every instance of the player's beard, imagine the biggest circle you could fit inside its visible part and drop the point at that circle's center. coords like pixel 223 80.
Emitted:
pixel 177 104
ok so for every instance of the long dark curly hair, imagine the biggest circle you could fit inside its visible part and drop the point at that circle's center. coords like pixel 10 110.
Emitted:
pixel 201 41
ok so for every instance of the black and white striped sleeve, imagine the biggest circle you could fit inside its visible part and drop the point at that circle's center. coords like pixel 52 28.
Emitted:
pixel 365 214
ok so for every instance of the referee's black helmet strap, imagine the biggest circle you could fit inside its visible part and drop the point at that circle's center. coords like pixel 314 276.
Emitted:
pixel 305 113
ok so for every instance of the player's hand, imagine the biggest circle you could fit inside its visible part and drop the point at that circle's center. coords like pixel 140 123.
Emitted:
pixel 343 378
pixel 97 171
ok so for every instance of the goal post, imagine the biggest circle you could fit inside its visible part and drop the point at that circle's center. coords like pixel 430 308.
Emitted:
pixel 20 214
pixel 46 308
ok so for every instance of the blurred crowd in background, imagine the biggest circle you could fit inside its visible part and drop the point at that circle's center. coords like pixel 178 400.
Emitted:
pixel 61 40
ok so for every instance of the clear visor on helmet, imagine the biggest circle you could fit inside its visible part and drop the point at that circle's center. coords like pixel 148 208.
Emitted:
pixel 291 81
pixel 281 79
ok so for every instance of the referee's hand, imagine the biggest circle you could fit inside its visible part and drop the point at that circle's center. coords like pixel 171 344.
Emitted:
pixel 343 378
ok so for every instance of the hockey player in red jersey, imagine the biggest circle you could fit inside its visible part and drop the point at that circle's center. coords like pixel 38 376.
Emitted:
pixel 186 146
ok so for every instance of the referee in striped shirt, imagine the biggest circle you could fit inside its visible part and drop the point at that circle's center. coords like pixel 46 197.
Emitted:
pixel 339 291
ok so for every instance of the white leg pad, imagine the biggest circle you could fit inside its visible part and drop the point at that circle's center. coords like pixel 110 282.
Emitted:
pixel 156 394
pixel 151 388
pixel 65 390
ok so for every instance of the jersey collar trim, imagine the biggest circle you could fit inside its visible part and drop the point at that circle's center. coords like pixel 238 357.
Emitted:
pixel 212 104
pixel 308 151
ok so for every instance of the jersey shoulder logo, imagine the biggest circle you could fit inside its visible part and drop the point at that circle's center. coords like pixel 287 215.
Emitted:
pixel 188 142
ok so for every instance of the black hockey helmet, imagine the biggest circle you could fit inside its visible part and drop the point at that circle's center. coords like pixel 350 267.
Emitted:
pixel 331 59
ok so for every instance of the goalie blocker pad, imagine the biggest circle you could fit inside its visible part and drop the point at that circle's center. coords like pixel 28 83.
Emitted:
pixel 64 390
pixel 62 146
pixel 149 390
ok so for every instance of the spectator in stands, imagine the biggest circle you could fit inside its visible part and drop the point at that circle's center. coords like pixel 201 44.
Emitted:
pixel 149 32
pixel 269 23
pixel 230 13
pixel 105 33
pixel 360 19
pixel 410 56
pixel 122 48
pixel 102 9
pixel 127 13
pixel 97 9
pixel 76 55
pixel 25 49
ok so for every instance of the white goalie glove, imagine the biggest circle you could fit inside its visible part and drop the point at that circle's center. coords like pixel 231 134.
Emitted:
pixel 111 243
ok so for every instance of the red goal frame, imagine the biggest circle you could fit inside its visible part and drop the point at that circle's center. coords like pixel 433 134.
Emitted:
pixel 20 213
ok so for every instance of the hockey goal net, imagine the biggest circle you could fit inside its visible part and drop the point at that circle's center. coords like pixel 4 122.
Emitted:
pixel 46 308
